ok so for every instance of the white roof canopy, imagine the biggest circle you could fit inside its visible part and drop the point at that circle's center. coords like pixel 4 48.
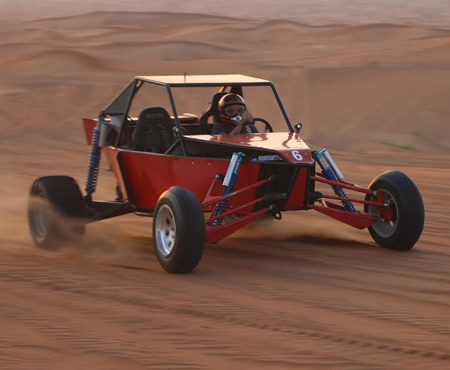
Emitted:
pixel 204 80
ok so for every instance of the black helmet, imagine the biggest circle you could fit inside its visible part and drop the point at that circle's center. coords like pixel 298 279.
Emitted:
pixel 231 108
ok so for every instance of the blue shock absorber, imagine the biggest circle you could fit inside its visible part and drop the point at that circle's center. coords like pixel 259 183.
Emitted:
pixel 331 175
pixel 94 159
pixel 229 183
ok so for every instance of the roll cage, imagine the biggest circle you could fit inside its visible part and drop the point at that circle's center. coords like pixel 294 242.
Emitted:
pixel 121 105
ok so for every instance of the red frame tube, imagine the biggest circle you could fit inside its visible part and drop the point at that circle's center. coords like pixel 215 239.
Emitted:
pixel 233 210
pixel 216 233
pixel 358 220
pixel 213 200
pixel 355 219
pixel 344 185
pixel 352 200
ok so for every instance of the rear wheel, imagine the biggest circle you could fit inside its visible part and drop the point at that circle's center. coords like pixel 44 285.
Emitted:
pixel 178 230
pixel 55 208
pixel 400 221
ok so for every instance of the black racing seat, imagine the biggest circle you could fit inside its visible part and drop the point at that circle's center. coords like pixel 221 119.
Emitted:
pixel 154 131
pixel 212 111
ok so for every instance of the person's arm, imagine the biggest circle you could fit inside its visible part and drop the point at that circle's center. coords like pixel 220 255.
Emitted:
pixel 238 128
pixel 246 119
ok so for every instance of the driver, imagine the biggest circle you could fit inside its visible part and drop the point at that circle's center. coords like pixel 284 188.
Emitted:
pixel 234 117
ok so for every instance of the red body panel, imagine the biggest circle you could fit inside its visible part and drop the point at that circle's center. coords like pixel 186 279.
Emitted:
pixel 89 124
pixel 287 144
pixel 143 176
pixel 297 197
pixel 147 175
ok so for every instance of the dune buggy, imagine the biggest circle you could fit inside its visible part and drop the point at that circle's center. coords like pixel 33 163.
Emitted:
pixel 200 188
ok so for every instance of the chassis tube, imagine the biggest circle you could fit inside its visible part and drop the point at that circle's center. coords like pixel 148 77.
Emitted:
pixel 352 200
pixel 342 185
pixel 247 188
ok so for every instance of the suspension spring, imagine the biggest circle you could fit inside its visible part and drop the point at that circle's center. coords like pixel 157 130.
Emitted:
pixel 94 163
pixel 222 206
pixel 229 184
pixel 340 192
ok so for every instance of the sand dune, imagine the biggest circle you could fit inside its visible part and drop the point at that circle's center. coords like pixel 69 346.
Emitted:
pixel 54 61
pixel 127 19
pixel 308 11
pixel 306 292
pixel 386 32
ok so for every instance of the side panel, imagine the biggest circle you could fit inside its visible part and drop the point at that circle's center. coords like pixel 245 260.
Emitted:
pixel 147 175
pixel 298 193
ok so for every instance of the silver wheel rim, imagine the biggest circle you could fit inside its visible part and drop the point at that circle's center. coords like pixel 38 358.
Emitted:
pixel 165 229
pixel 385 228
pixel 39 219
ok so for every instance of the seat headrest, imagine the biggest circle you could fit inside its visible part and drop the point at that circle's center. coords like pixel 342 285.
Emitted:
pixel 154 131
pixel 156 113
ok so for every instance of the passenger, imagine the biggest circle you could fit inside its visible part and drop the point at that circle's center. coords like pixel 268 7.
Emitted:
pixel 234 117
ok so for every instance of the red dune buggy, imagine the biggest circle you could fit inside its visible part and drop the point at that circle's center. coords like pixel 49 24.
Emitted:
pixel 200 188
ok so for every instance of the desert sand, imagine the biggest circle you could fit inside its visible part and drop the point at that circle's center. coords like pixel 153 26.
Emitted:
pixel 306 292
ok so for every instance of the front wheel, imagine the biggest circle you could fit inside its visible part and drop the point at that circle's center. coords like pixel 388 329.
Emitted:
pixel 179 230
pixel 399 223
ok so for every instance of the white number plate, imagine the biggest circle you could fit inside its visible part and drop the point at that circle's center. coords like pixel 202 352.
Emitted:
pixel 297 156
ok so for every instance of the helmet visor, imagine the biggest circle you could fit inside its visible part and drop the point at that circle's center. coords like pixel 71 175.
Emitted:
pixel 234 110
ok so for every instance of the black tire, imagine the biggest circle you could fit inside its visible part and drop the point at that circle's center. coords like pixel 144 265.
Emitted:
pixel 179 230
pixel 55 211
pixel 405 206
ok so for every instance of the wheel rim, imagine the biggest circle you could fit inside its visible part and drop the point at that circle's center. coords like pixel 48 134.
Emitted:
pixel 39 219
pixel 385 228
pixel 165 228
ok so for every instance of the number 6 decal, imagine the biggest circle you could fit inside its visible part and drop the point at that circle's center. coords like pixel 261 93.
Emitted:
pixel 297 156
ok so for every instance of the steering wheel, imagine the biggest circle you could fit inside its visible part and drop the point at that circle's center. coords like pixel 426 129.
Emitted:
pixel 267 126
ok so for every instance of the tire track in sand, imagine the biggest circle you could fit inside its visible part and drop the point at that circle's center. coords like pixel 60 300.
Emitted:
pixel 93 291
